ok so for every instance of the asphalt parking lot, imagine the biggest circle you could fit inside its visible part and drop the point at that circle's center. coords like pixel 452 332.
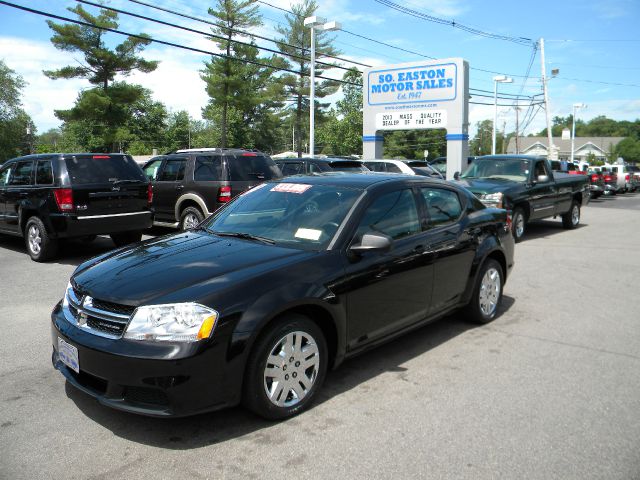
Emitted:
pixel 550 389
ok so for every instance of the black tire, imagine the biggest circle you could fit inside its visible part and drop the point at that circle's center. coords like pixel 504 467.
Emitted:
pixel 40 246
pixel 256 382
pixel 125 238
pixel 190 217
pixel 571 219
pixel 518 223
pixel 483 306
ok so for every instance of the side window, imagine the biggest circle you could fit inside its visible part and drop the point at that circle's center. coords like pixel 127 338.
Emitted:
pixel 375 166
pixel 541 169
pixel 208 168
pixel 151 170
pixel 614 169
pixel 44 174
pixel 313 168
pixel 173 170
pixel 5 173
pixel 443 206
pixel 395 214
pixel 292 168
pixel 22 173
pixel 393 168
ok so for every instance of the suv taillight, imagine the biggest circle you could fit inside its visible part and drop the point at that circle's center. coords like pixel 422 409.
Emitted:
pixel 594 177
pixel 626 177
pixel 149 194
pixel 64 199
pixel 224 194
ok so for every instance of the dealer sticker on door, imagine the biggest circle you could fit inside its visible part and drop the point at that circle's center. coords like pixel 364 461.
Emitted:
pixel 68 355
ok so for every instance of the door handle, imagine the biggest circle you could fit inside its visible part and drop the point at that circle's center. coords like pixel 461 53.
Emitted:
pixel 179 187
pixel 23 194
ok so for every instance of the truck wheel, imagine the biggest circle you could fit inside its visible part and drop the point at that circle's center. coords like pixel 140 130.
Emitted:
pixel 286 368
pixel 518 223
pixel 40 246
pixel 125 238
pixel 487 293
pixel 190 218
pixel 571 219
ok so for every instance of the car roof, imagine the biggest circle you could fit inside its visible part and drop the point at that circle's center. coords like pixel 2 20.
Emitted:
pixel 357 180
pixel 507 156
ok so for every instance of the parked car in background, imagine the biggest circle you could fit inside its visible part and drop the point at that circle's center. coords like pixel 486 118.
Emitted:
pixel 189 185
pixel 282 284
pixel 308 165
pixel 527 187
pixel 55 196
pixel 597 185
pixel 611 184
pixel 626 181
pixel 634 170
pixel 408 167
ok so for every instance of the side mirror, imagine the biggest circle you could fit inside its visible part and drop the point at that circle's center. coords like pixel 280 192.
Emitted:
pixel 456 176
pixel 543 178
pixel 372 242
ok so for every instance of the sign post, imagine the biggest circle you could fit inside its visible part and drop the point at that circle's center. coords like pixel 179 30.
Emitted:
pixel 417 96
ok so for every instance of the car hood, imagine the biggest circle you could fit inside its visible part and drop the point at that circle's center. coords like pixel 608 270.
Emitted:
pixel 157 271
pixel 488 185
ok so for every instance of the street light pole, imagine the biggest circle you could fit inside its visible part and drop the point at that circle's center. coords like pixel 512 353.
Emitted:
pixel 496 80
pixel 313 23
pixel 573 126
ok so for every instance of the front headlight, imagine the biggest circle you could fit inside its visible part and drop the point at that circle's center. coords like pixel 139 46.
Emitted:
pixel 492 199
pixel 177 322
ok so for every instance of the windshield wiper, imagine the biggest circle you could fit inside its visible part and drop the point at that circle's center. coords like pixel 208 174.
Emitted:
pixel 245 236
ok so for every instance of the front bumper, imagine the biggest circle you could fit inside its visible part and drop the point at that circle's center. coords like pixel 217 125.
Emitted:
pixel 157 379
pixel 72 225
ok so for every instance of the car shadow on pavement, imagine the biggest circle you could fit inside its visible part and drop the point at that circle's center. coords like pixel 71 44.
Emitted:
pixel 217 427
pixel 537 229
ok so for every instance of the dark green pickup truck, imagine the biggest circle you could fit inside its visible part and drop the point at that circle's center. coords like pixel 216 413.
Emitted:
pixel 527 187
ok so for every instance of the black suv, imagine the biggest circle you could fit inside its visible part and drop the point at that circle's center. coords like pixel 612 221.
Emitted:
pixel 189 185
pixel 307 165
pixel 53 196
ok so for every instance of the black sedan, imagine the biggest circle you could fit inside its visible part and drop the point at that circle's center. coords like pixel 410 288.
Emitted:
pixel 289 279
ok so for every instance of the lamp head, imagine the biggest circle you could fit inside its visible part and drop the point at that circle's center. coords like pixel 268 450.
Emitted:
pixel 314 21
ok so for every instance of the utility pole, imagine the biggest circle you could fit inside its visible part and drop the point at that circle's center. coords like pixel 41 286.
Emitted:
pixel 517 128
pixel 547 106
pixel 504 136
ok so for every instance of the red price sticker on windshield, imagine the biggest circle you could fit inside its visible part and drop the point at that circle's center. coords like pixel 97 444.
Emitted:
pixel 291 188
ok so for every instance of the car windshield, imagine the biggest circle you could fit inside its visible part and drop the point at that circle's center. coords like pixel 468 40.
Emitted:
pixel 295 215
pixel 515 169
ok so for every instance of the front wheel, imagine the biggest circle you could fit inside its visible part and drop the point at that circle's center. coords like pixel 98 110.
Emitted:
pixel 286 368
pixel 40 245
pixel 487 293
pixel 125 238
pixel 518 223
pixel 571 219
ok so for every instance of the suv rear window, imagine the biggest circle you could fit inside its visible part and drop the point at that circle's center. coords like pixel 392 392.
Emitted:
pixel 85 169
pixel 250 168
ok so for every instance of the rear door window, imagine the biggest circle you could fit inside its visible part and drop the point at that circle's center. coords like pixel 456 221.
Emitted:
pixel 292 168
pixel 85 169
pixel 393 168
pixel 152 168
pixel 443 206
pixel 44 174
pixel 22 173
pixel 250 168
pixel 173 170
pixel 208 168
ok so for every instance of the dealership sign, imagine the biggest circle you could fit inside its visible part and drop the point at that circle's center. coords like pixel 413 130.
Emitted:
pixel 417 96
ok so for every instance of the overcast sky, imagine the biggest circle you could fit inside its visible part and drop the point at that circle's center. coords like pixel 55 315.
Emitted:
pixel 594 44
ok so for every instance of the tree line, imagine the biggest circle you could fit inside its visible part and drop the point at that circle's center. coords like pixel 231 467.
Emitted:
pixel 254 100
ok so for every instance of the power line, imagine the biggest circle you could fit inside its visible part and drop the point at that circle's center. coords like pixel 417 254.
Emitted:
pixel 242 32
pixel 170 44
pixel 474 31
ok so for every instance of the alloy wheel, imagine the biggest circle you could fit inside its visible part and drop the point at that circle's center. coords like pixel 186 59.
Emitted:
pixel 190 221
pixel 489 291
pixel 35 239
pixel 291 369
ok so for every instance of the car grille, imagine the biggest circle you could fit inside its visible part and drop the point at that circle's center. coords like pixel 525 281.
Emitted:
pixel 99 317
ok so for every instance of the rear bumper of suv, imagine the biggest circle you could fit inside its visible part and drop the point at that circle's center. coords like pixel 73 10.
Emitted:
pixel 72 225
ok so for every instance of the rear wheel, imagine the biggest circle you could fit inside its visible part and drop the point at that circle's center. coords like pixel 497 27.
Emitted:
pixel 190 218
pixel 286 368
pixel 40 246
pixel 125 238
pixel 518 223
pixel 571 219
pixel 487 293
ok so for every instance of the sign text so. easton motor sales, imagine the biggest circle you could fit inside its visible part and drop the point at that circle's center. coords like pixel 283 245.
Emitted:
pixel 416 86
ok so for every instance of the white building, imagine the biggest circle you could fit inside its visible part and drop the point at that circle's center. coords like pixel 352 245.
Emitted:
pixel 600 147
